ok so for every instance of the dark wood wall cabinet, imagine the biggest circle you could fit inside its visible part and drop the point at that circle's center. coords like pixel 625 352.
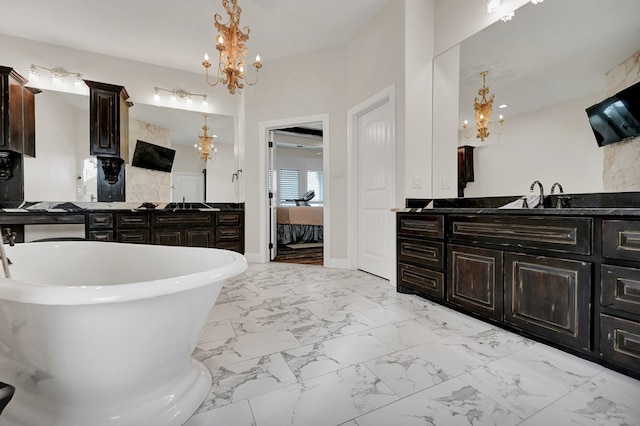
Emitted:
pixel 569 281
pixel 17 132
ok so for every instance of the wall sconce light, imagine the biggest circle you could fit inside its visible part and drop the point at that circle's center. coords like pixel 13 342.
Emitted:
pixel 57 74
pixel 182 94
pixel 483 108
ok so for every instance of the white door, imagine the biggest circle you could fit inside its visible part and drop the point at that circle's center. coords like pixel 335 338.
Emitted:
pixel 188 185
pixel 375 191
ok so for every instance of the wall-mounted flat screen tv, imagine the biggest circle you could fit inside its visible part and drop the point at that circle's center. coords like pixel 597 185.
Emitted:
pixel 153 157
pixel 616 118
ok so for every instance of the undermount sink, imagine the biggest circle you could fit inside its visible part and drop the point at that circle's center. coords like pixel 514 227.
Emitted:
pixel 532 201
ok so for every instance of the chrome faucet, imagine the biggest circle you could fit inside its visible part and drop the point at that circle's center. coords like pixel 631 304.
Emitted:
pixel 541 203
pixel 8 237
pixel 561 201
pixel 559 188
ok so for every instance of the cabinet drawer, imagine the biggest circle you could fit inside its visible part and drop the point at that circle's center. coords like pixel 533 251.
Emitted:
pixel 233 218
pixel 621 239
pixel 230 246
pixel 558 234
pixel 475 280
pixel 174 219
pixel 549 297
pixel 101 235
pixel 420 225
pixel 100 220
pixel 423 281
pixel 620 288
pixel 620 341
pixel 131 220
pixel 133 236
pixel 228 233
pixel 425 253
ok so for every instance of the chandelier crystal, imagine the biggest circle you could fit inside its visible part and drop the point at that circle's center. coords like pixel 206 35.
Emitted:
pixel 205 147
pixel 232 50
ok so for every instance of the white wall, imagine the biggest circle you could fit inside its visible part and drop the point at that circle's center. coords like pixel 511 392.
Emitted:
pixel 301 85
pixel 536 146
pixel 220 189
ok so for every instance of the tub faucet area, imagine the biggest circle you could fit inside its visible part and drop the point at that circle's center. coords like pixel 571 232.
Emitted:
pixel 533 185
pixel 8 237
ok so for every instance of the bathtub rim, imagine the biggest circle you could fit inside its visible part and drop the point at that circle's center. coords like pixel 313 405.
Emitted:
pixel 47 294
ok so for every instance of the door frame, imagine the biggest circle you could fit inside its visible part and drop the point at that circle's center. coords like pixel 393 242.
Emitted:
pixel 387 95
pixel 264 128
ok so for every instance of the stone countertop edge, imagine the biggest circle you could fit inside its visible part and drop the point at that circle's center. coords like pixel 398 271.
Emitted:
pixel 577 211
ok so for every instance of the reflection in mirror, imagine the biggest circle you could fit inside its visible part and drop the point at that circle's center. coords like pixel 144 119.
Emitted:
pixel 547 65
pixel 63 170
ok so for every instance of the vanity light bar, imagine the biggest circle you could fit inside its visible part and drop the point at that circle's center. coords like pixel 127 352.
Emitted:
pixel 179 93
pixel 57 74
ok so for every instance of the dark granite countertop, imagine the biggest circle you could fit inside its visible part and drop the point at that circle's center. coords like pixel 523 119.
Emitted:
pixel 597 204
pixel 78 207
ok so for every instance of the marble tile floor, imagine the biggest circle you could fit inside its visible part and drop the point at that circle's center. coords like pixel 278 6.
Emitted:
pixel 306 345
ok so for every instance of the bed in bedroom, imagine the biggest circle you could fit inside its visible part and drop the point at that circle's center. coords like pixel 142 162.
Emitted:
pixel 300 224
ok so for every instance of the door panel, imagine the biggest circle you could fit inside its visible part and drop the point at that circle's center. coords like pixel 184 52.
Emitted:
pixel 375 191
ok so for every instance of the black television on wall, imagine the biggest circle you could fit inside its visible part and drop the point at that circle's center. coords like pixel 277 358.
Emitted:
pixel 617 118
pixel 153 157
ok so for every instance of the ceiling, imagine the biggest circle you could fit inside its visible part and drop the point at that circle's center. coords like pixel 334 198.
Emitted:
pixel 555 51
pixel 175 34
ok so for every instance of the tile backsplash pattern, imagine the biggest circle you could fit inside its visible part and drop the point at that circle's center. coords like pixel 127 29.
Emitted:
pixel 622 160
pixel 143 184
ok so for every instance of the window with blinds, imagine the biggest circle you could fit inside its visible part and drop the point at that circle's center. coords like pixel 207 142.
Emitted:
pixel 289 186
pixel 315 181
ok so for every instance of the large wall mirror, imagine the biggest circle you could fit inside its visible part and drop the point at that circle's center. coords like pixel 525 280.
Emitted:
pixel 548 64
pixel 63 170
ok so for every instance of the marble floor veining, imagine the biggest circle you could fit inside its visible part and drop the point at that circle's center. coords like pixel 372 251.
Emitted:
pixel 306 345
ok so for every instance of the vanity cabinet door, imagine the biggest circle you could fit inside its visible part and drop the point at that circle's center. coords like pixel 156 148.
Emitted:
pixel 549 297
pixel 168 237
pixel 475 280
pixel 140 236
pixel 200 237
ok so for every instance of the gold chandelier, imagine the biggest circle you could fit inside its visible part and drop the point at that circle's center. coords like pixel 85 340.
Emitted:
pixel 232 50
pixel 483 109
pixel 205 147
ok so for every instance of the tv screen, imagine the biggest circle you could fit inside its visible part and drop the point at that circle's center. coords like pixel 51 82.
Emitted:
pixel 153 157
pixel 616 118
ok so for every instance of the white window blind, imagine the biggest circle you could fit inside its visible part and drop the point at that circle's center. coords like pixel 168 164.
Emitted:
pixel 315 181
pixel 289 185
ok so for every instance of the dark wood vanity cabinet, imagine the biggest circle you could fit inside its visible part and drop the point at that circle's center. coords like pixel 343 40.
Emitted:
pixel 194 228
pixel 620 293
pixel 538 291
pixel 421 255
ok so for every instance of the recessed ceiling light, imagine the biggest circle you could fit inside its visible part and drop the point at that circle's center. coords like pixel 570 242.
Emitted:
pixel 503 106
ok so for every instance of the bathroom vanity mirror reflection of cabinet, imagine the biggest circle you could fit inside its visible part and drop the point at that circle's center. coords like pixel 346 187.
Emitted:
pixel 548 65
pixel 63 169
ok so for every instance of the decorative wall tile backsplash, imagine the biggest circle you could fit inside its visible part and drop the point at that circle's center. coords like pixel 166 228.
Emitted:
pixel 144 184
pixel 621 171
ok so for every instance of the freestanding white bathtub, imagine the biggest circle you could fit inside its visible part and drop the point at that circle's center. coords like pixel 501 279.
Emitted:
pixel 95 333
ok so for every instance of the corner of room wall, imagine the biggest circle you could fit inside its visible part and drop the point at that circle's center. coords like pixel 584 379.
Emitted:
pixel 621 163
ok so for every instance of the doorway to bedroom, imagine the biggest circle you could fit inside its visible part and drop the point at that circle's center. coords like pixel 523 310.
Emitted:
pixel 296 193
